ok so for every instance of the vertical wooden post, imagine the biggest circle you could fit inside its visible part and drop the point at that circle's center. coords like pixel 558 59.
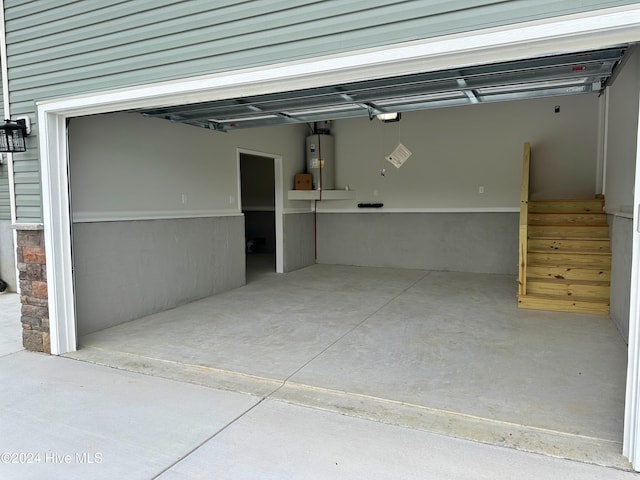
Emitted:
pixel 524 212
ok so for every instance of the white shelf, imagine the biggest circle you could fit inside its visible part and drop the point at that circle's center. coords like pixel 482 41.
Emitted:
pixel 326 194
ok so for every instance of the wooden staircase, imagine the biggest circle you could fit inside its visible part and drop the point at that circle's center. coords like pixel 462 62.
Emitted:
pixel 565 254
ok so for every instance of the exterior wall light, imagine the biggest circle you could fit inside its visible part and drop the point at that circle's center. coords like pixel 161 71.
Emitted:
pixel 389 117
pixel 13 134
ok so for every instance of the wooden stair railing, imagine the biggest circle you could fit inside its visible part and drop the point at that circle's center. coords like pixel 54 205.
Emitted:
pixel 564 253
pixel 524 214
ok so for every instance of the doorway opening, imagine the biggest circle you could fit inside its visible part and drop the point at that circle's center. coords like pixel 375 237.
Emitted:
pixel 258 205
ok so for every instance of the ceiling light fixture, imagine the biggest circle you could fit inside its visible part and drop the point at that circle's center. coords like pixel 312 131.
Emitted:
pixel 389 117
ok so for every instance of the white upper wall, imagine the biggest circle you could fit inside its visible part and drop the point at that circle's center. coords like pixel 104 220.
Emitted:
pixel 128 166
pixel 622 137
pixel 457 150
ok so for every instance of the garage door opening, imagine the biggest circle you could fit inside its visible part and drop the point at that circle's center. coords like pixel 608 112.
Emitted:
pixel 442 344
pixel 251 337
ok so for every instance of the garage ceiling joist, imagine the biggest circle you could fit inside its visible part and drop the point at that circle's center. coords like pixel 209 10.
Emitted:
pixel 562 74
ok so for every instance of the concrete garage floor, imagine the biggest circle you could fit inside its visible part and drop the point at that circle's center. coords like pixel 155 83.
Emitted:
pixel 441 352
pixel 62 418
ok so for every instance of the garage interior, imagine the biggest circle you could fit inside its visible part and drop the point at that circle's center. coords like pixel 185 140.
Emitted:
pixel 406 315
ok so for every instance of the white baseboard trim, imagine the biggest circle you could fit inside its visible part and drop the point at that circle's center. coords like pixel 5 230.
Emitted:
pixel 94 217
pixel 421 210
pixel 623 212
pixel 293 211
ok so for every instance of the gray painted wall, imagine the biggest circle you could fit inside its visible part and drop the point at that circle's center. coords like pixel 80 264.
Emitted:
pixel 620 174
pixel 61 47
pixel 621 247
pixel 126 270
pixel 299 249
pixel 7 255
pixel 622 136
pixel 467 242
pixel 146 173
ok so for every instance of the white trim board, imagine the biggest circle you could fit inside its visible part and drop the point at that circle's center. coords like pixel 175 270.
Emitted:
pixel 631 440
pixel 625 211
pixel 289 211
pixel 421 210
pixel 621 213
pixel 296 211
pixel 89 217
pixel 27 226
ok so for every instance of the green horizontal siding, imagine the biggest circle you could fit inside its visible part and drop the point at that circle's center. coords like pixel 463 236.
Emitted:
pixel 26 174
pixel 64 47
pixel 5 208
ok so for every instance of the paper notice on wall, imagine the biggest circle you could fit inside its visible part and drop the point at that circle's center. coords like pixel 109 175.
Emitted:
pixel 399 155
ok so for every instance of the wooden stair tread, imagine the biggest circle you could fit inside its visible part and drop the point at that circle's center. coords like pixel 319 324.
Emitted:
pixel 557 253
pixel 569 305
pixel 567 218
pixel 572 231
pixel 578 290
pixel 564 200
pixel 596 215
pixel 569 273
pixel 585 266
pixel 550 202
pixel 568 282
pixel 575 259
pixel 567 252
pixel 566 206
pixel 555 237
pixel 538 245
pixel 599 301
pixel 576 225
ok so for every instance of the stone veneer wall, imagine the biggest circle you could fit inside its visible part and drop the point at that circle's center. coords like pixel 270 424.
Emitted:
pixel 34 294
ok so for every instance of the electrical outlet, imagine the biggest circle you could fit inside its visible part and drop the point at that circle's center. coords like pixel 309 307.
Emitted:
pixel 232 199
pixel 480 189
pixel 183 198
